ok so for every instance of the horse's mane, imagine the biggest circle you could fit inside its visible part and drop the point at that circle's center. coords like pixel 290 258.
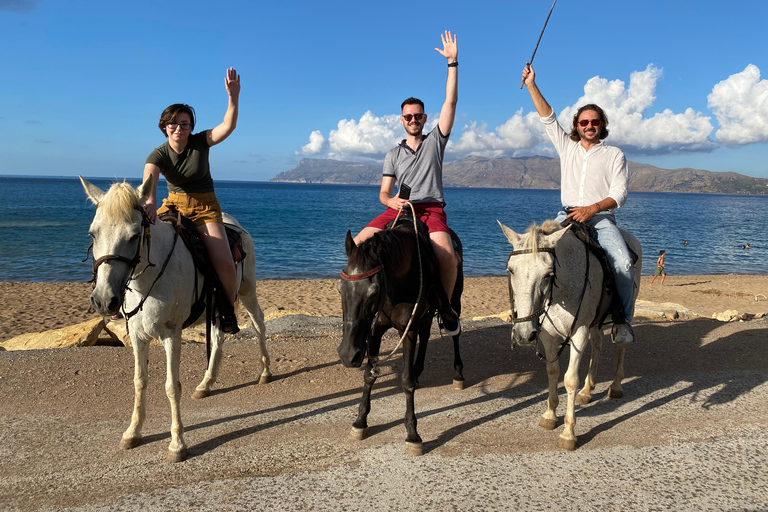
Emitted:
pixel 392 254
pixel 119 202
pixel 548 227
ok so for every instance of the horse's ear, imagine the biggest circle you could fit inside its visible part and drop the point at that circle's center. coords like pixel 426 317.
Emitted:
pixel 94 193
pixel 557 235
pixel 376 244
pixel 349 243
pixel 145 189
pixel 513 237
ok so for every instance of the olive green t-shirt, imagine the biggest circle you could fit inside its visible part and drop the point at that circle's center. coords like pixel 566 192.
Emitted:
pixel 188 171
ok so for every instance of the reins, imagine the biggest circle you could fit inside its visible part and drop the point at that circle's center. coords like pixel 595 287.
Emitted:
pixel 421 281
pixel 378 268
pixel 544 310
pixel 135 261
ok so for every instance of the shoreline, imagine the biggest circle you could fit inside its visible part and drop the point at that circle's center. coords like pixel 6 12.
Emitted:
pixel 27 307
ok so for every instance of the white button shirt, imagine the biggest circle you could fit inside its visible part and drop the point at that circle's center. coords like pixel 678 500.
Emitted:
pixel 587 177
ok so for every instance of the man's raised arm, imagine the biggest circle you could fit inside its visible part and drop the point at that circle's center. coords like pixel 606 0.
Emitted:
pixel 448 113
pixel 541 105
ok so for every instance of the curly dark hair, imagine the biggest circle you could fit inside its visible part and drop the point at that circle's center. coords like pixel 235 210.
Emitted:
pixel 170 113
pixel 603 122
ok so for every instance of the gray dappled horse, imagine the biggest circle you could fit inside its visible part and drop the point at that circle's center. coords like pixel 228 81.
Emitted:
pixel 556 287
pixel 379 288
pixel 157 298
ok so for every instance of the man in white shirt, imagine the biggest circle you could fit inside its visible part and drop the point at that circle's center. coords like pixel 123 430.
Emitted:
pixel 593 182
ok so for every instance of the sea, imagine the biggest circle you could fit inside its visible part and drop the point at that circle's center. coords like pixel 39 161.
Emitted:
pixel 299 229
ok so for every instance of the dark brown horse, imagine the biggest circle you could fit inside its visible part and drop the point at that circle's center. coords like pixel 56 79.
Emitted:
pixel 388 279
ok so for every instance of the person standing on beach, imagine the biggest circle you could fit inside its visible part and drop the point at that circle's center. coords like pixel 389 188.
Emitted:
pixel 183 161
pixel 593 182
pixel 418 163
pixel 659 269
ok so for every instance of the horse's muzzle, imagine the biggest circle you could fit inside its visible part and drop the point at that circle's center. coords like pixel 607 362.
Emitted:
pixel 350 356
pixel 105 305
pixel 524 336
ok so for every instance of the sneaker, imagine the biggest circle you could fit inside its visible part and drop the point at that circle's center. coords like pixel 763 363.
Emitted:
pixel 450 323
pixel 622 334
pixel 228 324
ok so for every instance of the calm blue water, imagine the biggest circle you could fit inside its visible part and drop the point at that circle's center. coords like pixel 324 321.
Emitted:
pixel 299 229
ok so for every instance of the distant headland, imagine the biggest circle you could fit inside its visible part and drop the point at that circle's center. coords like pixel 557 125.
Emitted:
pixel 536 172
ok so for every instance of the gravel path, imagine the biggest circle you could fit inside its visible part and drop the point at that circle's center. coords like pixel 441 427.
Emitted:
pixel 689 433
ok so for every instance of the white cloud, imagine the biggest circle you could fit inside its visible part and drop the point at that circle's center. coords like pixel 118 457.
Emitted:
pixel 741 105
pixel 370 137
pixel 316 144
pixel 663 132
pixel 523 134
pixel 518 133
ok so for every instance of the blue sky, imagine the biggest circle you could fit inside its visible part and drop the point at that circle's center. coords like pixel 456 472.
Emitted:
pixel 83 82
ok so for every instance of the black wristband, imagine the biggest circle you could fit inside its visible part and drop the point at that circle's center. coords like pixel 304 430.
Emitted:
pixel 453 64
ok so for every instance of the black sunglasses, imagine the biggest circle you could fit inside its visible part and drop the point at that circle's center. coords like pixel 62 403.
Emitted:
pixel 418 117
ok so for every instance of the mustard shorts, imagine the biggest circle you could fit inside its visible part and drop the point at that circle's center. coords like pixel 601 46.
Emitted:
pixel 199 207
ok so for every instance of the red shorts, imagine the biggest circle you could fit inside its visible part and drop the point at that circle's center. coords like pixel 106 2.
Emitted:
pixel 431 214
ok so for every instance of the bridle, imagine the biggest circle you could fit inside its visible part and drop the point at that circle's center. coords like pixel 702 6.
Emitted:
pixel 536 314
pixel 382 296
pixel 134 262
pixel 544 310
pixel 364 275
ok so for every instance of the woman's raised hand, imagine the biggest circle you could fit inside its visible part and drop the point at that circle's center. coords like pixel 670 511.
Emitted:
pixel 232 82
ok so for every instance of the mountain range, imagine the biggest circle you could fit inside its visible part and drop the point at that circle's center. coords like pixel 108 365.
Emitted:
pixel 536 172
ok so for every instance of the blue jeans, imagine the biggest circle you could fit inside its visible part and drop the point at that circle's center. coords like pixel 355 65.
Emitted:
pixel 610 239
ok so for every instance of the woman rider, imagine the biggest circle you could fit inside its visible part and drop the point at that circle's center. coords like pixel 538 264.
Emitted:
pixel 183 161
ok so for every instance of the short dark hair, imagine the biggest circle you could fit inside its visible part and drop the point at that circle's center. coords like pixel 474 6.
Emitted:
pixel 603 122
pixel 662 251
pixel 170 113
pixel 412 101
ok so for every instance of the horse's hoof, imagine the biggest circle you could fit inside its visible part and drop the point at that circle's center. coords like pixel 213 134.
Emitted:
pixel 458 384
pixel 612 393
pixel 201 393
pixel 128 443
pixel 358 434
pixel 583 399
pixel 566 444
pixel 414 449
pixel 548 424
pixel 265 379
pixel 178 456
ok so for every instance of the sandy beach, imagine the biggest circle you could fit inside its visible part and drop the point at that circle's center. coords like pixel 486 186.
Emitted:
pixel 37 307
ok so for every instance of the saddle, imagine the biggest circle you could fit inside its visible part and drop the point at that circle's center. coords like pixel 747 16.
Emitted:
pixel 436 297
pixel 610 308
pixel 211 284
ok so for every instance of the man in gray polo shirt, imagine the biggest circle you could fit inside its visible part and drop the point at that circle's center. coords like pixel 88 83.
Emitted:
pixel 418 162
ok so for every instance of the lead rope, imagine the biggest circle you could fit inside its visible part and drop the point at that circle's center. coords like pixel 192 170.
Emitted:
pixel 421 281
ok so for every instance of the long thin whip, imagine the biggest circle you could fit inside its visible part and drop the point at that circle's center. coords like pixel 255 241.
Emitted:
pixel 537 42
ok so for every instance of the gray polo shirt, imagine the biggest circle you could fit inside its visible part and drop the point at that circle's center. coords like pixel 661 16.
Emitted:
pixel 422 170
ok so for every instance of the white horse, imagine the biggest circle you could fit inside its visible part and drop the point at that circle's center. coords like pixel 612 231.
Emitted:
pixel 553 274
pixel 157 299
